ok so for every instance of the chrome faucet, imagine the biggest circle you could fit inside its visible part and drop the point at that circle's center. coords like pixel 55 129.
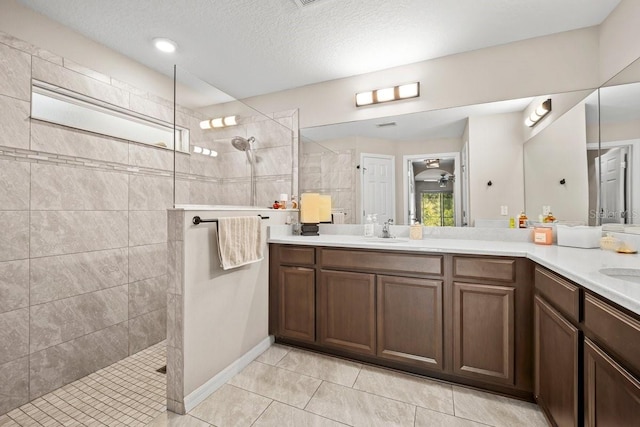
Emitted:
pixel 385 230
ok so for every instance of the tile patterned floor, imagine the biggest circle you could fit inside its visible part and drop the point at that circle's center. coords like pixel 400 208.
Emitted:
pixel 283 387
pixel 287 387
pixel 128 393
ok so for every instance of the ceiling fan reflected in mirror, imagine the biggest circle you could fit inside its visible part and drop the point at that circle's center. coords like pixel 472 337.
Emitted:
pixel 445 178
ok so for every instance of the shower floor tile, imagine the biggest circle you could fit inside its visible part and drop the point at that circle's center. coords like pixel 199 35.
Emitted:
pixel 128 393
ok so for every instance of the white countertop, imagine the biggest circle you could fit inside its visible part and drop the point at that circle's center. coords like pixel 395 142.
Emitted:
pixel 579 265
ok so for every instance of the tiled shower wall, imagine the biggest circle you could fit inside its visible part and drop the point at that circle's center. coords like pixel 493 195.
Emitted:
pixel 83 224
pixel 331 173
pixel 225 179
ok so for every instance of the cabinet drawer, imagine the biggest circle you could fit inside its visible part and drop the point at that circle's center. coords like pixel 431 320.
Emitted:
pixel 383 262
pixel 561 294
pixel 503 270
pixel 616 330
pixel 297 255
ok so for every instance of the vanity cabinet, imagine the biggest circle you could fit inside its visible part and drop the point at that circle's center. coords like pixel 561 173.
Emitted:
pixel 297 300
pixel 587 356
pixel 484 332
pixel 295 293
pixel 409 321
pixel 612 395
pixel 556 383
pixel 557 347
pixel 492 322
pixel 346 314
pixel 459 318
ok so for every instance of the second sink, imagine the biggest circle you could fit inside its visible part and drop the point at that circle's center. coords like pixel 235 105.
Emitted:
pixel 627 274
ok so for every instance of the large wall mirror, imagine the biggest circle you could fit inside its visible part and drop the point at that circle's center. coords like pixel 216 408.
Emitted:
pixel 465 166
pixel 619 161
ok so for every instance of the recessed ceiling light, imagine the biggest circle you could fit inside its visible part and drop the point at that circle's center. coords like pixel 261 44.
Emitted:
pixel 165 45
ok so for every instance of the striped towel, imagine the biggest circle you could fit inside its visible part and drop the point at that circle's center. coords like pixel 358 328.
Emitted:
pixel 239 241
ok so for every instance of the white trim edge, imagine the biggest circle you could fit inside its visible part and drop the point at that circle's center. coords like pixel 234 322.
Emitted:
pixel 206 389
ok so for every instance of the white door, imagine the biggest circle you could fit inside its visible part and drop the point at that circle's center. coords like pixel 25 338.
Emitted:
pixel 378 183
pixel 464 170
pixel 411 193
pixel 612 166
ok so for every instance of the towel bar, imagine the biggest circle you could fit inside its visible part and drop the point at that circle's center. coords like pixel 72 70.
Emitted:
pixel 197 220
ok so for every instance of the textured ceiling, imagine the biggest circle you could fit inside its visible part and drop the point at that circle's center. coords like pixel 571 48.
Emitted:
pixel 251 47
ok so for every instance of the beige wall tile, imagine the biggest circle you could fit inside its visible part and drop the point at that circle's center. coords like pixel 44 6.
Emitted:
pixel 63 77
pixel 56 139
pixel 15 69
pixel 14 384
pixel 148 193
pixel 151 108
pixel 29 48
pixel 65 276
pixel 147 261
pixel 14 335
pixel 74 66
pixel 14 285
pixel 14 122
pixel 150 157
pixel 14 185
pixel 14 229
pixel 63 320
pixel 147 227
pixel 66 362
pixel 146 330
pixel 175 262
pixel 64 232
pixel 77 189
pixel 147 295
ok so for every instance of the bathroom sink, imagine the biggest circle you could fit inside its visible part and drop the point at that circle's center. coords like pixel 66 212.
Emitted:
pixel 384 240
pixel 628 274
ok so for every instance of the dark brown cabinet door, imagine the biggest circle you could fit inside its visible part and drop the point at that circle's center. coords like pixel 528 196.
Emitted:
pixel 556 344
pixel 297 302
pixel 409 318
pixel 612 395
pixel 483 332
pixel 347 317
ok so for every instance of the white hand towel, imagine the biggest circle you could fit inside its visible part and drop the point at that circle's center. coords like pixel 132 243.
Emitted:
pixel 239 241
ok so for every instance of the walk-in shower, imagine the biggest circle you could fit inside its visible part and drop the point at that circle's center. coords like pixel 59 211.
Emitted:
pixel 244 144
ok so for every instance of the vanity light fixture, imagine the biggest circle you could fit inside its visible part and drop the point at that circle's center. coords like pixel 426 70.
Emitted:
pixel 219 122
pixel 165 45
pixel 410 90
pixel 205 151
pixel 539 113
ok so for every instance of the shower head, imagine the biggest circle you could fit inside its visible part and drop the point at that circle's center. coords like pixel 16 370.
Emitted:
pixel 242 144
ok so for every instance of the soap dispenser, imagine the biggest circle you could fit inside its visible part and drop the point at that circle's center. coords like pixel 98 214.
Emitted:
pixel 368 227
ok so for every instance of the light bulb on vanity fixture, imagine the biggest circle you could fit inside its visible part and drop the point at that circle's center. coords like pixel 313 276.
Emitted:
pixel 541 111
pixel 395 93
pixel 219 122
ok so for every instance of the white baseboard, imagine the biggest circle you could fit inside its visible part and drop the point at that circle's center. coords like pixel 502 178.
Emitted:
pixel 206 389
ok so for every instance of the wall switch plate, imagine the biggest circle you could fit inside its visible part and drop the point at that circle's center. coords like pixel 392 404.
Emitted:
pixel 504 210
pixel 546 210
